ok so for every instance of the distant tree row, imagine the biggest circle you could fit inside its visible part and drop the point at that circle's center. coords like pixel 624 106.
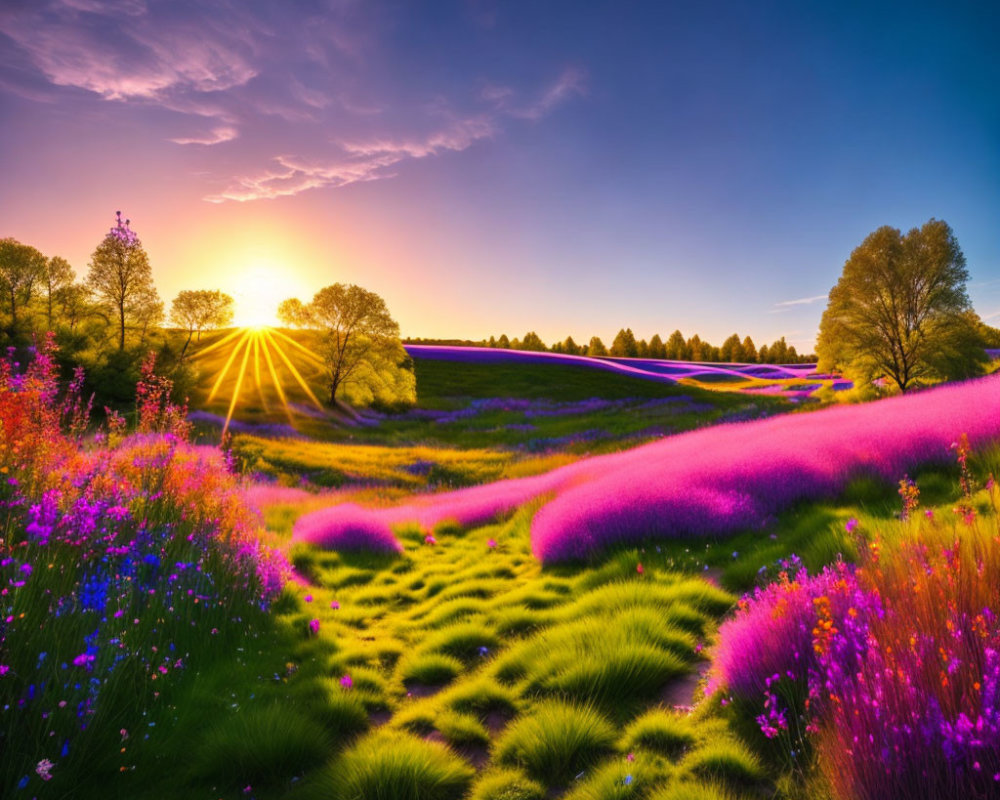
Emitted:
pixel 675 348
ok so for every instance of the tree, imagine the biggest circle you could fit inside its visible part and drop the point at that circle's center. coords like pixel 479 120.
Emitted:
pixel 596 347
pixel 354 326
pixel 898 306
pixel 731 350
pixel 146 310
pixel 21 265
pixel 56 278
pixel 624 345
pixel 198 309
pixel 532 341
pixel 503 342
pixel 749 350
pixel 656 347
pixel 694 348
pixel 120 274
pixel 571 347
pixel 676 347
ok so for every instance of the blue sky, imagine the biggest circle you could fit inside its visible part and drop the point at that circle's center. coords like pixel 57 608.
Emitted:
pixel 490 167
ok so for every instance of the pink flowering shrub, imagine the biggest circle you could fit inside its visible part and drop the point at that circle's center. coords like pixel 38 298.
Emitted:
pixel 887 675
pixel 120 561
pixel 346 527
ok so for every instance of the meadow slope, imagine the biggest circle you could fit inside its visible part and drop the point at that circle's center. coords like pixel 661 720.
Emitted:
pixel 712 481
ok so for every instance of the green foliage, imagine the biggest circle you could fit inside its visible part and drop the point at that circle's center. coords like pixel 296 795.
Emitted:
pixel 612 662
pixel 356 337
pixel 661 732
pixel 392 765
pixel 900 310
pixel 726 759
pixel 692 790
pixel 120 276
pixel 624 345
pixel 555 741
pixel 259 745
pixel 430 668
pixel 461 729
pixel 196 310
pixel 507 784
pixel 21 267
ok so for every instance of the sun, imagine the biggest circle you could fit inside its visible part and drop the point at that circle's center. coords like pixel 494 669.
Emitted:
pixel 260 288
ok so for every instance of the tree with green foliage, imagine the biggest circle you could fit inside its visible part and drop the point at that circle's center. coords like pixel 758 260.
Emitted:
pixel 624 344
pixel 503 342
pixel 676 347
pixel 532 341
pixel 656 347
pixel 749 350
pixel 900 310
pixel 21 266
pixel 196 310
pixel 732 349
pixel 354 327
pixel 56 277
pixel 596 347
pixel 694 347
pixel 120 274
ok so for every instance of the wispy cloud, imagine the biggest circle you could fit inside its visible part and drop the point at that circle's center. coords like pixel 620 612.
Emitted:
pixel 215 136
pixel 278 82
pixel 572 82
pixel 359 161
pixel 802 301
pixel 788 305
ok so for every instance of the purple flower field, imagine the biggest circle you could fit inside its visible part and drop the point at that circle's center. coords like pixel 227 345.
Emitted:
pixel 709 482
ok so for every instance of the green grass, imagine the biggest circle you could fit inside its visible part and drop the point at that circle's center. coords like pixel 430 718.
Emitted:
pixel 430 668
pixel 507 784
pixel 260 745
pixel 661 732
pixel 726 759
pixel 555 741
pixel 395 766
pixel 614 662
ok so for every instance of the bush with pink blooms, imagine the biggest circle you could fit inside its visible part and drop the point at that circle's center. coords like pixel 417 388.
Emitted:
pixel 123 562
pixel 881 679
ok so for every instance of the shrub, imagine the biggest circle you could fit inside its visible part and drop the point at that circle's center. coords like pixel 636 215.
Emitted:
pixel 393 765
pixel 555 741
pixel 507 784
pixel 264 745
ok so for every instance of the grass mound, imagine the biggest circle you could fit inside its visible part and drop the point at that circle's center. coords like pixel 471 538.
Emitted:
pixel 264 745
pixel 660 732
pixel 556 741
pixel 507 784
pixel 396 766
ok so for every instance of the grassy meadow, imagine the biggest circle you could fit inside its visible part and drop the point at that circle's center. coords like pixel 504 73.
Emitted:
pixel 177 638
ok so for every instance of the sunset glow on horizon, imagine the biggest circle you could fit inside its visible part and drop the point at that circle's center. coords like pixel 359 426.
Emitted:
pixel 496 168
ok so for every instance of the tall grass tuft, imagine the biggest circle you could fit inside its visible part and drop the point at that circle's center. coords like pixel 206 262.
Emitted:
pixel 555 741
pixel 392 765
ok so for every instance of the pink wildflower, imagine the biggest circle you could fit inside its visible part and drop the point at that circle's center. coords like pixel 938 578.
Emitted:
pixel 346 682
pixel 44 768
pixel 429 539
pixel 314 626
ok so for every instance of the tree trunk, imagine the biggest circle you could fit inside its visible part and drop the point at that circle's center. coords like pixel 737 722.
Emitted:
pixel 185 347
pixel 121 336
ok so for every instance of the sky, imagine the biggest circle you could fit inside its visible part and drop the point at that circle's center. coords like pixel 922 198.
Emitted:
pixel 493 166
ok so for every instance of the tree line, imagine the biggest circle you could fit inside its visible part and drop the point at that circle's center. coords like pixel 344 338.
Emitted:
pixel 106 321
pixel 625 345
